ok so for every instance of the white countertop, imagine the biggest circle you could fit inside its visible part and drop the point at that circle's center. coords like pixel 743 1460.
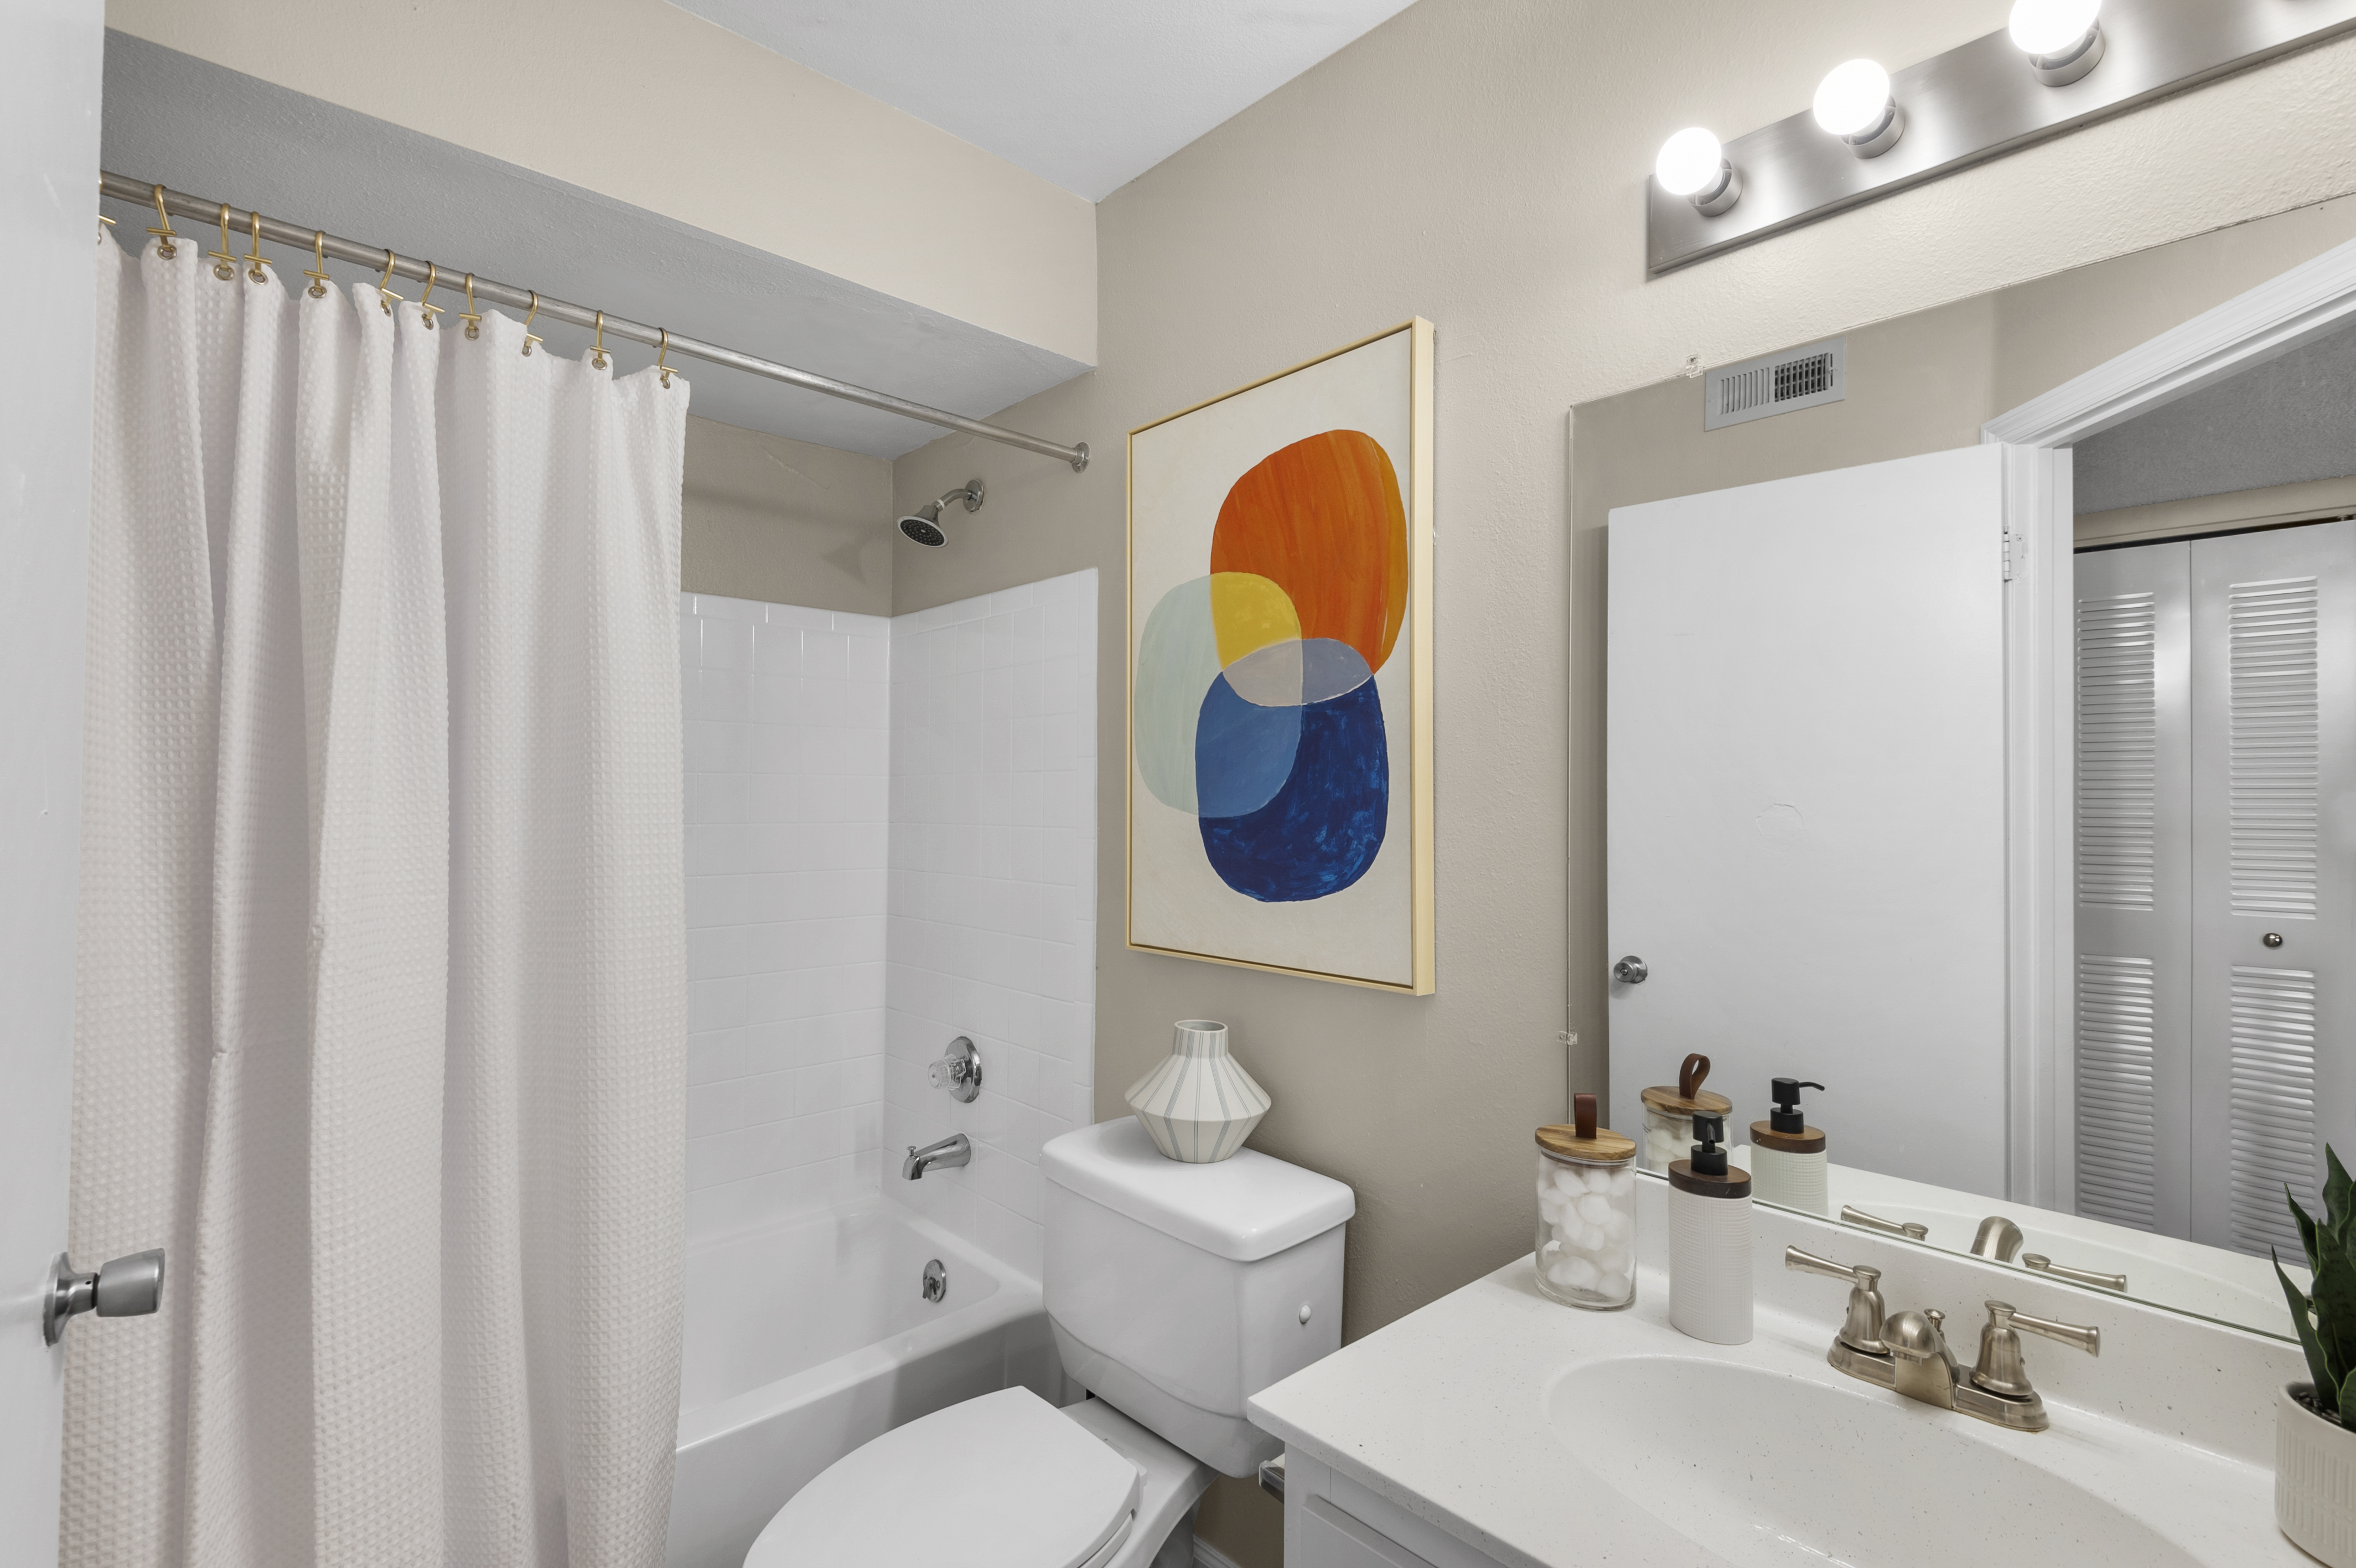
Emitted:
pixel 1445 1411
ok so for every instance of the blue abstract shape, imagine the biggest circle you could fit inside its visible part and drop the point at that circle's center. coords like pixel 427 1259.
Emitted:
pixel 1243 752
pixel 1323 827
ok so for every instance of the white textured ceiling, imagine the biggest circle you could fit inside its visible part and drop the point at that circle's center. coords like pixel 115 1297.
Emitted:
pixel 1087 94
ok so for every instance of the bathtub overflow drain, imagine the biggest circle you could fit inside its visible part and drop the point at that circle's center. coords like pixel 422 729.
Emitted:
pixel 936 1281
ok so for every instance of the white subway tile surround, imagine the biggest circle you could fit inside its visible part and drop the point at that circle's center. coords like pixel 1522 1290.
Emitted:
pixel 890 841
pixel 992 903
pixel 788 755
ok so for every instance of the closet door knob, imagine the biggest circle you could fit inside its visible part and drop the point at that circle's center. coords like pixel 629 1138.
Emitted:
pixel 1630 970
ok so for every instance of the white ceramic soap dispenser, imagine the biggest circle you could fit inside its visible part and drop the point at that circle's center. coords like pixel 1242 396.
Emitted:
pixel 1787 1156
pixel 1710 1242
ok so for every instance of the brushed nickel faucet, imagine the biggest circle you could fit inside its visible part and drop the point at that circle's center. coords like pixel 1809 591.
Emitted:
pixel 1907 1352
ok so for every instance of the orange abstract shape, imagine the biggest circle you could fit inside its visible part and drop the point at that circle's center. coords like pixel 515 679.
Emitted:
pixel 1324 520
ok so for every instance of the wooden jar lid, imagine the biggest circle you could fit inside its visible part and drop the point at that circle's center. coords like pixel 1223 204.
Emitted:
pixel 1705 1101
pixel 1764 1135
pixel 1735 1183
pixel 1585 1142
pixel 1606 1148
pixel 1689 1098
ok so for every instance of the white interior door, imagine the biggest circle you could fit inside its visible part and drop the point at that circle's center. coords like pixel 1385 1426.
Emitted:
pixel 1806 798
pixel 49 67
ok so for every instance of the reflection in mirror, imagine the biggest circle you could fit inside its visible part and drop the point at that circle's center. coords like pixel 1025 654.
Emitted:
pixel 1818 771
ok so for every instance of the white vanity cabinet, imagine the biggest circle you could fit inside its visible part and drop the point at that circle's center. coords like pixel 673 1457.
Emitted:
pixel 1330 1522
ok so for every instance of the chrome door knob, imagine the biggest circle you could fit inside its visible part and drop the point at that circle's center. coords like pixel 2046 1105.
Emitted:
pixel 1630 970
pixel 130 1286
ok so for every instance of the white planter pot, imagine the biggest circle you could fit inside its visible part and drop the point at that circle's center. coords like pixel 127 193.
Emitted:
pixel 1199 1104
pixel 2315 1480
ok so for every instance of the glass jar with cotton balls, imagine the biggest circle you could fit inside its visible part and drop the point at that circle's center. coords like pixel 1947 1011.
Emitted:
pixel 1587 1212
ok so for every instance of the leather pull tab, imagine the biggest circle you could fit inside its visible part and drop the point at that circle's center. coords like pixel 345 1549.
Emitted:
pixel 1582 1114
pixel 1689 1076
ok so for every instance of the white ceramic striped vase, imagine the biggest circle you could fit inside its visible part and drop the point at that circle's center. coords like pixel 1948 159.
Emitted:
pixel 1199 1104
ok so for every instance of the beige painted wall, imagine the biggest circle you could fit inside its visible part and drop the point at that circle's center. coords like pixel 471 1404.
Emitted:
pixel 769 518
pixel 1480 162
pixel 649 104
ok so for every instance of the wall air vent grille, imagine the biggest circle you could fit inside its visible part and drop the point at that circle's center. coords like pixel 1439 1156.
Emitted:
pixel 1779 384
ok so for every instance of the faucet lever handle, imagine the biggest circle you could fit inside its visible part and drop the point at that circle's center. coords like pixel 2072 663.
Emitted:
pixel 2000 1369
pixel 2090 1340
pixel 1801 1263
pixel 1861 1330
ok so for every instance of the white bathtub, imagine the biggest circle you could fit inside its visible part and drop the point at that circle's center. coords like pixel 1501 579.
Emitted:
pixel 807 1338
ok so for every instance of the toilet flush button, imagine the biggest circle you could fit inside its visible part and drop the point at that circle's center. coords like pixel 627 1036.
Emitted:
pixel 1305 1312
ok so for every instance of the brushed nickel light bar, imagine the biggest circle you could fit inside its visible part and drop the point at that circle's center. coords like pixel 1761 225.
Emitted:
pixel 1976 102
pixel 377 257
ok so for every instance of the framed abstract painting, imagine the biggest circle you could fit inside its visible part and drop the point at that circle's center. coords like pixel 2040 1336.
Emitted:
pixel 1280 672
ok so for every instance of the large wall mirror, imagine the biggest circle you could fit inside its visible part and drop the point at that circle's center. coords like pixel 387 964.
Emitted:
pixel 1976 739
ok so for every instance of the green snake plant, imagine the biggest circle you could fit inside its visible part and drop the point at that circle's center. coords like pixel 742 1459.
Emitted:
pixel 2327 1319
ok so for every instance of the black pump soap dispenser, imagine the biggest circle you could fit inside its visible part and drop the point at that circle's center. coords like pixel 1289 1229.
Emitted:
pixel 1787 1155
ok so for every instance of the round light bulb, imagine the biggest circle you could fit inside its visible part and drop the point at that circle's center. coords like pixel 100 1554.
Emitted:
pixel 1852 97
pixel 1689 161
pixel 2049 26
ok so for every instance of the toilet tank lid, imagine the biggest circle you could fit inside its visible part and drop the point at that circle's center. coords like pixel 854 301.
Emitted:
pixel 1245 1208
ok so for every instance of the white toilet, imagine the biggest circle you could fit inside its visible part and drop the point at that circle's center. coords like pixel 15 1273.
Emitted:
pixel 1175 1293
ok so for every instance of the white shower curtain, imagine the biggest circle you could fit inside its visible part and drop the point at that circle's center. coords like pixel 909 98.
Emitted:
pixel 381 967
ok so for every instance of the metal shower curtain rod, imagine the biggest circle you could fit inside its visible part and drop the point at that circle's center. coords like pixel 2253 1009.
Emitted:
pixel 278 232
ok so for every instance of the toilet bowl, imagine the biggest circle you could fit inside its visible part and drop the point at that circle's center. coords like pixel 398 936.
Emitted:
pixel 1175 1293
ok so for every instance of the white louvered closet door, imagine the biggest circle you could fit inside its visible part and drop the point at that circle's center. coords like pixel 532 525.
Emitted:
pixel 2135 887
pixel 2273 831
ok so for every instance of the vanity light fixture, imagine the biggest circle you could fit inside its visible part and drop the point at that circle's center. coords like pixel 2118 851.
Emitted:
pixel 2062 39
pixel 1980 100
pixel 1854 103
pixel 1692 165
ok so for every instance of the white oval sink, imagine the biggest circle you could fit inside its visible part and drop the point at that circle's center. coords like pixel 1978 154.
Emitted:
pixel 1770 1469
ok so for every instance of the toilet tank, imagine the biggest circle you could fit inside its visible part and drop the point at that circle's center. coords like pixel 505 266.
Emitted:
pixel 1176 1292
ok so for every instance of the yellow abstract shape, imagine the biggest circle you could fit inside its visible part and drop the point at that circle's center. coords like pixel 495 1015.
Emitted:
pixel 1248 612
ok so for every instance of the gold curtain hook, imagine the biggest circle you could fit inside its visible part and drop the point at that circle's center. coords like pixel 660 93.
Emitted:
pixel 164 248
pixel 385 296
pixel 528 338
pixel 224 259
pixel 255 259
pixel 432 272
pixel 597 349
pixel 661 369
pixel 470 316
pixel 317 271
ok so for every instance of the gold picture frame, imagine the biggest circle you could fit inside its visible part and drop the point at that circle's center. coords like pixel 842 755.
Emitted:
pixel 1284 479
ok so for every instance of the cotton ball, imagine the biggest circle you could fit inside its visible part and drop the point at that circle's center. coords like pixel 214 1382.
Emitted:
pixel 1595 1208
pixel 1582 1275
pixel 1616 1225
pixel 1571 1179
pixel 1612 1260
pixel 1623 1181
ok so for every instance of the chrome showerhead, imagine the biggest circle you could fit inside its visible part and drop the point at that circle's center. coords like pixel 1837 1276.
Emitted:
pixel 924 525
